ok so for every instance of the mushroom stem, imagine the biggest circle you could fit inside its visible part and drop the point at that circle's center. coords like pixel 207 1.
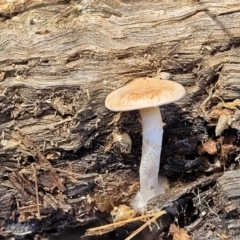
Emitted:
pixel 152 132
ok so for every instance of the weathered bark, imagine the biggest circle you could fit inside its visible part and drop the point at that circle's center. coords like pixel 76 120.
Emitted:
pixel 221 204
pixel 58 62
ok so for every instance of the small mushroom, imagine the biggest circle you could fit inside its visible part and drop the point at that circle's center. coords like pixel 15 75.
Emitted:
pixel 146 95
pixel 223 123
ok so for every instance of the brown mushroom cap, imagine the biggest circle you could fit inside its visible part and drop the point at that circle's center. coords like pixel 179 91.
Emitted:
pixel 144 93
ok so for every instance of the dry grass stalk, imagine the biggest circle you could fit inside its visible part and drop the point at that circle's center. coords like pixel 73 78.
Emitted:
pixel 157 215
pixel 110 227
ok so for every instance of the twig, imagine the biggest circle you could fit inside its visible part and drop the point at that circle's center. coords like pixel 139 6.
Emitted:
pixel 204 201
pixel 36 188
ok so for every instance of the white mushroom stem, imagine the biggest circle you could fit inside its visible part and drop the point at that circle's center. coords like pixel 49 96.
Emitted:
pixel 152 132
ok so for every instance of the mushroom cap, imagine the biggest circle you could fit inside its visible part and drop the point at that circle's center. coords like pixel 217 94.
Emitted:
pixel 144 93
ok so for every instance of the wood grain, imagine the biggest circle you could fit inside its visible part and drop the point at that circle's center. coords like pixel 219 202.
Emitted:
pixel 60 59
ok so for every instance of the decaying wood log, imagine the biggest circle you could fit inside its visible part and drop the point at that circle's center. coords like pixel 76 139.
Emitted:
pixel 222 203
pixel 59 60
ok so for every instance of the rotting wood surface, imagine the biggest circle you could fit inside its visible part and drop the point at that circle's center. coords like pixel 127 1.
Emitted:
pixel 58 62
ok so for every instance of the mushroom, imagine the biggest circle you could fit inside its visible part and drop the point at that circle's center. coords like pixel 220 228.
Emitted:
pixel 146 95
